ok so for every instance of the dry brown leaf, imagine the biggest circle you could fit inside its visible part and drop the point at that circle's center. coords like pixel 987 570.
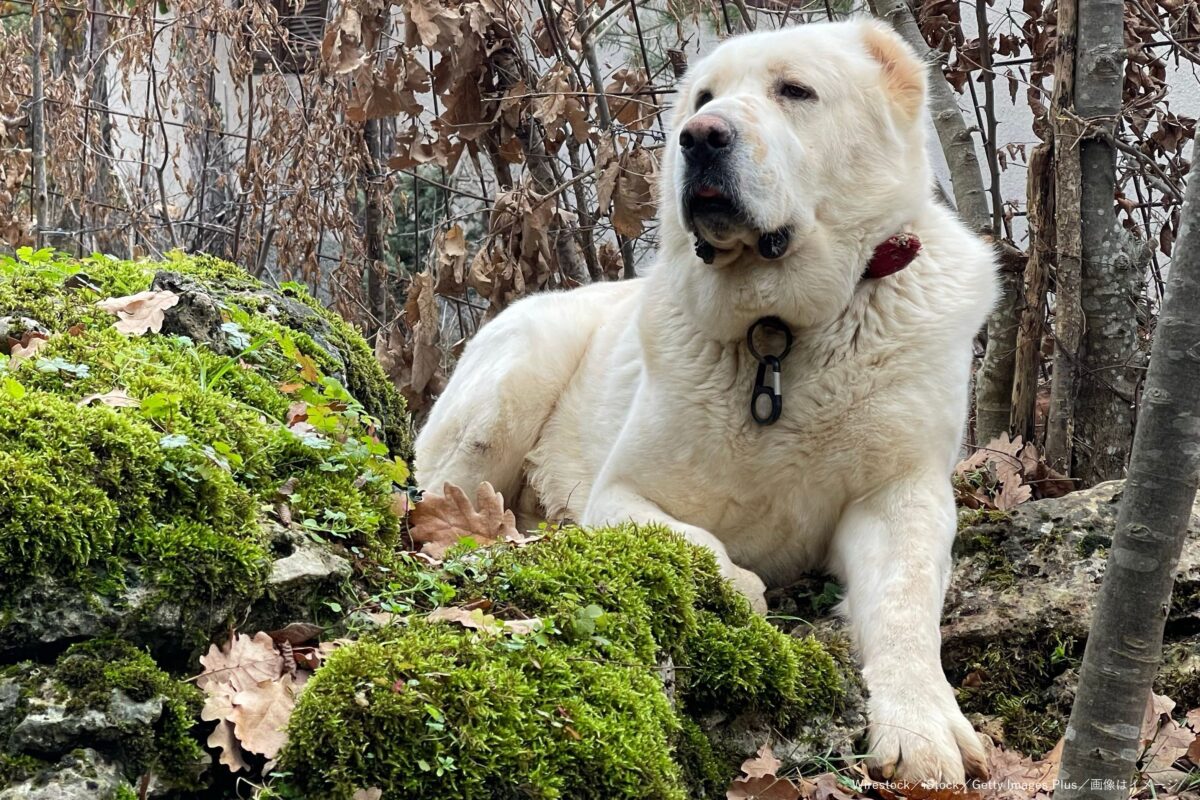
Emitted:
pixel 475 620
pixel 763 764
pixel 244 661
pixel 261 713
pixel 141 312
pixel 30 344
pixel 296 633
pixel 439 521
pixel 223 739
pixel 1158 711
pixel 432 24
pixel 117 398
pixel 367 794
pixel 765 788
pixel 827 787
pixel 450 247
pixel 420 312
pixel 1014 776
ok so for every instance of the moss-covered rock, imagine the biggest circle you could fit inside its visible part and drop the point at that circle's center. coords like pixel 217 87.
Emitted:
pixel 1019 607
pixel 577 709
pixel 161 487
pixel 145 475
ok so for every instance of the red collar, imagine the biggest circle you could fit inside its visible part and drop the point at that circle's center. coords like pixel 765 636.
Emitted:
pixel 893 255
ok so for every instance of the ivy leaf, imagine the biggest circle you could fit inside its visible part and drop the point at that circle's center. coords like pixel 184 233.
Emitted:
pixel 172 441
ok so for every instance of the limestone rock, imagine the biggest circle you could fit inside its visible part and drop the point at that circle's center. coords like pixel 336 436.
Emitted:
pixel 82 775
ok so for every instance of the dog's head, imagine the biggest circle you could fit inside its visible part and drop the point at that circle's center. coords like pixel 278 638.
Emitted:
pixel 790 147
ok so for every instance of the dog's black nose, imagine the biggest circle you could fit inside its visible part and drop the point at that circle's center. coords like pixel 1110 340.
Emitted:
pixel 705 137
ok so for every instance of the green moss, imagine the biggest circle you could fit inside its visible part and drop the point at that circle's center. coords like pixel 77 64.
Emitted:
pixel 1016 685
pixel 575 710
pixel 17 768
pixel 704 772
pixel 367 380
pixel 968 517
pixel 1093 542
pixel 176 485
pixel 88 673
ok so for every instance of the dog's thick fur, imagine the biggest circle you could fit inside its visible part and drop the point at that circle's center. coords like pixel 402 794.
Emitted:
pixel 630 401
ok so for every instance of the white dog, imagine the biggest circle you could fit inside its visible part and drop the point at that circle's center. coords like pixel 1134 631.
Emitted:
pixel 797 158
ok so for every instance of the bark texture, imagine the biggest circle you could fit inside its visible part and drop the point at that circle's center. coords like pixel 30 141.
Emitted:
pixel 1068 308
pixel 1106 381
pixel 37 123
pixel 1040 204
pixel 1125 645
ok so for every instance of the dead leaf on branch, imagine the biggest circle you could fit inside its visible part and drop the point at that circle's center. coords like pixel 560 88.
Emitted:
pixel 352 36
pixel 450 248
pixel 421 314
pixel 1005 473
pixel 142 312
pixel 438 522
pixel 431 24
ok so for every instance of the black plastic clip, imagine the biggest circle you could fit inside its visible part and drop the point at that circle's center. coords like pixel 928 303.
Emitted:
pixel 766 401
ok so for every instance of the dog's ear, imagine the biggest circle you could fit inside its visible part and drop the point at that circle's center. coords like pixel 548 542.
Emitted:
pixel 903 72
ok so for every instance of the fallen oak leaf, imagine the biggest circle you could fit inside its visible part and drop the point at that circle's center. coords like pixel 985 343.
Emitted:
pixel 28 346
pixel 826 786
pixel 116 398
pixel 475 620
pixel 762 764
pixel 222 738
pixel 766 788
pixel 260 715
pixel 438 522
pixel 244 661
pixel 141 312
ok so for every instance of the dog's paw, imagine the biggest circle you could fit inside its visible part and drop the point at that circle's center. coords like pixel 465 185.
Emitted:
pixel 920 735
pixel 750 586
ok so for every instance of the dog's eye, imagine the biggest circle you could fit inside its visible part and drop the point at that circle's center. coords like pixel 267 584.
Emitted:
pixel 794 91
pixel 704 97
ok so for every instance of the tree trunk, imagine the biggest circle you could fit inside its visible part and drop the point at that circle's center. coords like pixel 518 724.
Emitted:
pixel 1068 310
pixel 37 124
pixel 1039 202
pixel 1125 644
pixel 377 290
pixel 994 379
pixel 1104 405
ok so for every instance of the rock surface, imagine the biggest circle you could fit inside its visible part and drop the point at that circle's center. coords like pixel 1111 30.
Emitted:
pixel 81 775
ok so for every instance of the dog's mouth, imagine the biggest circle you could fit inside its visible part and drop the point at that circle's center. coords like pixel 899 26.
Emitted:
pixel 722 227
pixel 712 206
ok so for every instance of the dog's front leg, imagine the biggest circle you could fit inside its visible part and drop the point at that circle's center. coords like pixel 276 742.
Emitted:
pixel 892 550
pixel 613 504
